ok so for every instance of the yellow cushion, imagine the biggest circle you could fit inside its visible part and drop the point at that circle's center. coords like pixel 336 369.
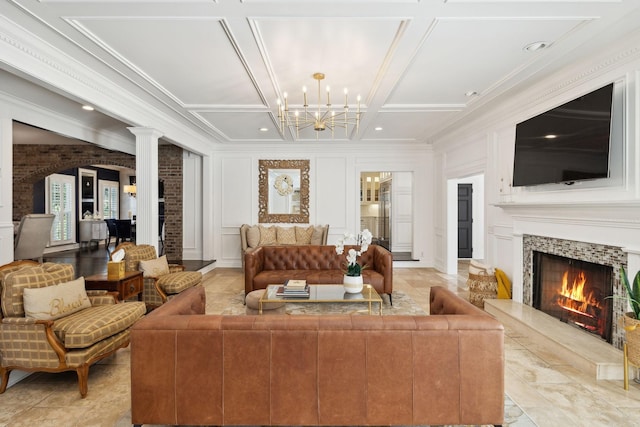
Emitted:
pixel 286 235
pixel 303 235
pixel 175 283
pixel 504 285
pixel 268 235
pixel 91 325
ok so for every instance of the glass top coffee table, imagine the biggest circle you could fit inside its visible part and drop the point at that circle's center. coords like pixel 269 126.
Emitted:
pixel 325 294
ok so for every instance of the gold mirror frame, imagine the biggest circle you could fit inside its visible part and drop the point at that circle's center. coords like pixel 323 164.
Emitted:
pixel 264 216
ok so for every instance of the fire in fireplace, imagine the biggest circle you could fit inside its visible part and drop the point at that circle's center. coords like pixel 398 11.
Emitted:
pixel 574 291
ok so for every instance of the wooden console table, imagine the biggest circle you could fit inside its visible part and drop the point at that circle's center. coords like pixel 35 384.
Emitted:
pixel 127 287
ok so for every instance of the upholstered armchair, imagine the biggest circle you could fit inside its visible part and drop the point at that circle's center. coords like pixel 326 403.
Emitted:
pixel 162 280
pixel 50 323
pixel 32 237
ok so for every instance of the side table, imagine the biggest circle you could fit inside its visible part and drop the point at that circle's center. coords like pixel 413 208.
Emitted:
pixel 129 286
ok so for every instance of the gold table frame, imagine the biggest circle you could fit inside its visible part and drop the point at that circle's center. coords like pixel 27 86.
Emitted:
pixel 324 294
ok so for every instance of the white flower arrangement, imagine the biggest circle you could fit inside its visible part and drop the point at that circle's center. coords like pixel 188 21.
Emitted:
pixel 363 239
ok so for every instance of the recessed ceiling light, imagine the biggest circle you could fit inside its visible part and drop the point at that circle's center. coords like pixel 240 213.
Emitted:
pixel 264 129
pixel 471 93
pixel 87 107
pixel 378 128
pixel 532 47
pixel 551 136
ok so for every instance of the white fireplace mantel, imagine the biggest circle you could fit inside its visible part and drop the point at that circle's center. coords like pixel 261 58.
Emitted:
pixel 603 212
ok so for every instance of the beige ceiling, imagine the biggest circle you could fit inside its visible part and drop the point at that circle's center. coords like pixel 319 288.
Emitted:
pixel 219 66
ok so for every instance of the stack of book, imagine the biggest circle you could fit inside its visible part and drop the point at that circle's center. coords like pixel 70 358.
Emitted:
pixel 294 289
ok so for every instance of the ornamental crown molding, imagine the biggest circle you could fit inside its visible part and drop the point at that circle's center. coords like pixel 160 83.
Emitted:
pixel 50 67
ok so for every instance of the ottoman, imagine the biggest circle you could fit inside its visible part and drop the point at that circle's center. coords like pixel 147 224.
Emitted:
pixel 253 297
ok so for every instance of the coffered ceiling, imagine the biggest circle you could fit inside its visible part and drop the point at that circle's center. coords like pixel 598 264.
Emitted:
pixel 218 67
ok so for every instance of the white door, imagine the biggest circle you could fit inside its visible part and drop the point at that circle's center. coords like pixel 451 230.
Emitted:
pixel 108 199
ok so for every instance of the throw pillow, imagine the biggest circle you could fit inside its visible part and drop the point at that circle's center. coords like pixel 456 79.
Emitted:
pixel 56 301
pixel 154 267
pixel 316 238
pixel 253 236
pixel 267 235
pixel 286 235
pixel 303 235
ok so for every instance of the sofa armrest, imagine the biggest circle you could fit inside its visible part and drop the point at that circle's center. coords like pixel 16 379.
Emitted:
pixel 102 297
pixel 383 264
pixel 38 345
pixel 253 264
pixel 444 302
pixel 243 238
pixel 189 302
pixel 20 321
pixel 174 268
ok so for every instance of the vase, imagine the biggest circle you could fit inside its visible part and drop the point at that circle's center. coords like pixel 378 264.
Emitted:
pixel 352 284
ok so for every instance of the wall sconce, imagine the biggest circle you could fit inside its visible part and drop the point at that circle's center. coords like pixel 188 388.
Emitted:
pixel 131 189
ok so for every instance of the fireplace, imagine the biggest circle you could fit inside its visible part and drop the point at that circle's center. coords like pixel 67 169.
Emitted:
pixel 596 253
pixel 574 291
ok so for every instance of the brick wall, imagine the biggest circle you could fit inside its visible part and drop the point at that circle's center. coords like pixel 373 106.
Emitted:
pixel 32 163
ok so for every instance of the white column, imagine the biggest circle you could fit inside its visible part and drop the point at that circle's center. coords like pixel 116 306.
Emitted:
pixel 146 185
pixel 6 190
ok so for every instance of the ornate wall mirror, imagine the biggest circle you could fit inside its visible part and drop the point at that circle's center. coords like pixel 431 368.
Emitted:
pixel 283 191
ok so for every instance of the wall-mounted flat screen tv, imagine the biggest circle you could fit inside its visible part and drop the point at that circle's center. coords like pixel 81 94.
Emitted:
pixel 567 144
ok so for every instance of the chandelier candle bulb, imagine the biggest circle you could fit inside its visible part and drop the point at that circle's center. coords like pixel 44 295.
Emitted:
pixel 318 117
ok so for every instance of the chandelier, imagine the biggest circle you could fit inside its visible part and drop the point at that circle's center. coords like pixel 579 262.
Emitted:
pixel 324 117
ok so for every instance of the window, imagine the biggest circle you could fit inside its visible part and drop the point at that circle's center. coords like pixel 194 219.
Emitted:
pixel 60 190
pixel 108 199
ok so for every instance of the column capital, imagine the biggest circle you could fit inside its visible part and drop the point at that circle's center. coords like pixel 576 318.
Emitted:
pixel 141 131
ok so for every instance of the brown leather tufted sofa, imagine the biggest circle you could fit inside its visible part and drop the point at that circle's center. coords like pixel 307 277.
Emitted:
pixel 188 368
pixel 266 265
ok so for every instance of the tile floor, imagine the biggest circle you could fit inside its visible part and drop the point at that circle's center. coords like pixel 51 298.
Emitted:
pixel 549 391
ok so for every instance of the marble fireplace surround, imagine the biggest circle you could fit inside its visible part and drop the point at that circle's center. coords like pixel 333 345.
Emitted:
pixel 607 229
pixel 611 256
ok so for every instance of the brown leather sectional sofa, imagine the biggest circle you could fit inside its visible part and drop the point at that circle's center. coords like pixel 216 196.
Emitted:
pixel 195 369
pixel 317 264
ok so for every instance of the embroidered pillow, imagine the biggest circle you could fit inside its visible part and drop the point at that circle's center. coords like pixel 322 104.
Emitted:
pixel 154 267
pixel 303 235
pixel 253 236
pixel 267 235
pixel 56 301
pixel 286 235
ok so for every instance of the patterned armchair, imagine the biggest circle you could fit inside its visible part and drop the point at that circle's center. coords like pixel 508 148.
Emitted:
pixel 78 335
pixel 160 284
